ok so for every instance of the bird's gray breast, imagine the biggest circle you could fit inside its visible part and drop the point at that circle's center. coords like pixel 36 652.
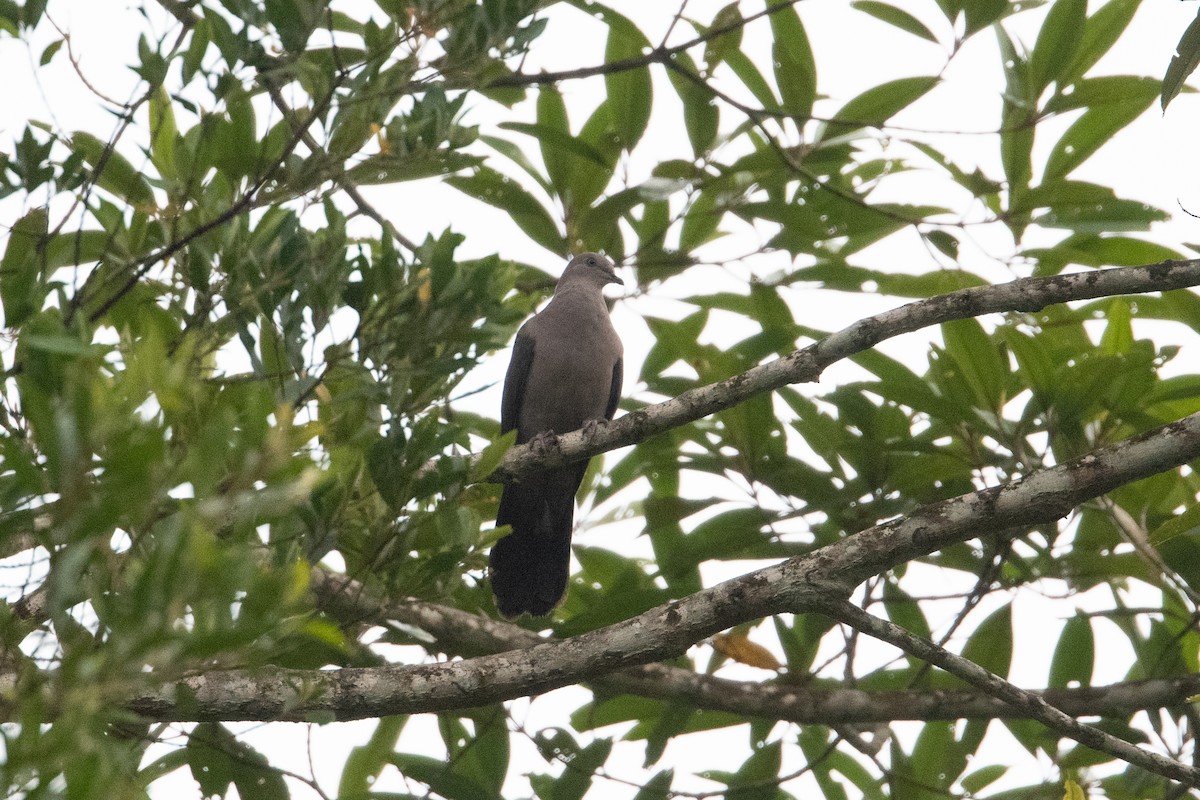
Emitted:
pixel 571 374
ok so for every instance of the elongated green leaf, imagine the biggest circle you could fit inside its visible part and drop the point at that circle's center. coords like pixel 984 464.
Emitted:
pixel 878 104
pixel 163 133
pixel 589 179
pixel 982 13
pixel 21 267
pixel 895 16
pixel 982 364
pixel 558 146
pixel 1074 656
pixel 1105 90
pixel 366 761
pixel 1183 63
pixel 294 20
pixel 553 132
pixel 516 155
pixel 439 776
pixel 1090 132
pixel 1100 33
pixel 990 645
pixel 795 68
pixel 1118 333
pixel 1016 133
pixel 498 190
pixel 749 75
pixel 700 113
pixel 630 92
pixel 1057 42
pixel 717 48
pixel 117 175
pixel 1186 524
pixel 984 776
pixel 491 456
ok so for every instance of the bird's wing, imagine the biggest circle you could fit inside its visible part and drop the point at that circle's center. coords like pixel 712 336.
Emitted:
pixel 516 379
pixel 614 391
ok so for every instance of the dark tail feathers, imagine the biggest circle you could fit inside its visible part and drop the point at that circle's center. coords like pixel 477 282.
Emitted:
pixel 530 566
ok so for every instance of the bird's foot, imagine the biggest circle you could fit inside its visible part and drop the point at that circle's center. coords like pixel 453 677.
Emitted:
pixel 592 427
pixel 543 443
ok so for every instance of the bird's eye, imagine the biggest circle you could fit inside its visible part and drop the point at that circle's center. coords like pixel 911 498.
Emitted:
pixel 591 262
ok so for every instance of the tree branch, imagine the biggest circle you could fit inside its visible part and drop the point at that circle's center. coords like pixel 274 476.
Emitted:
pixel 807 364
pixel 460 633
pixel 1033 705
pixel 659 55
pixel 798 585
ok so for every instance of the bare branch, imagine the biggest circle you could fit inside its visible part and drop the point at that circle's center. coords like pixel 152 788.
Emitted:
pixel 460 633
pixel 804 583
pixel 1033 705
pixel 807 364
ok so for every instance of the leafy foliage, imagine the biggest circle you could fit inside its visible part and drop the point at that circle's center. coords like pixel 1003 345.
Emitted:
pixel 223 365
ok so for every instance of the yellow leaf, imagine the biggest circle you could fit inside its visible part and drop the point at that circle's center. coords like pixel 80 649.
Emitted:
pixel 1073 791
pixel 744 651
pixel 381 136
pixel 425 290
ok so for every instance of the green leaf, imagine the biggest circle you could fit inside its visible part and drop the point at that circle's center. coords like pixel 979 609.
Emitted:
pixel 555 145
pixel 700 113
pixel 1183 63
pixel 795 67
pixel 1073 791
pixel 982 13
pixel 20 268
pixel 575 782
pixel 439 776
pixel 1105 91
pixel 749 74
pixel 1017 118
pixel 877 105
pixel 990 645
pixel 491 456
pixel 235 140
pixel 658 787
pixel 1088 133
pixel 50 51
pixel 163 133
pixel 1118 333
pixel 1185 524
pixel 367 761
pixel 504 193
pixel 718 48
pixel 1057 42
pixel 1100 33
pixel 630 91
pixel 700 223
pixel 294 20
pixel 1075 655
pixel 217 759
pixel 516 155
pixel 895 16
pixel 982 364
pixel 982 777
pixel 117 175
pixel 553 133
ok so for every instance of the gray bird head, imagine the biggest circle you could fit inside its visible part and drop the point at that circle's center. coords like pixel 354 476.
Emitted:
pixel 592 269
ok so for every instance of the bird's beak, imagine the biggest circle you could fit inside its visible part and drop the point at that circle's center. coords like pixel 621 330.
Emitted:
pixel 612 276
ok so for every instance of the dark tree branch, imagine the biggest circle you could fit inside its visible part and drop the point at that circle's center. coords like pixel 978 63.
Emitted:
pixel 1033 705
pixel 814 582
pixel 659 55
pixel 460 633
pixel 807 364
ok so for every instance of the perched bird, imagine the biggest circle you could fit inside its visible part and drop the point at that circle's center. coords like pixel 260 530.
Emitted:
pixel 565 373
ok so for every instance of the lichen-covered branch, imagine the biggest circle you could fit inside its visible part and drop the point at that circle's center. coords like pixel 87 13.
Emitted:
pixel 807 364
